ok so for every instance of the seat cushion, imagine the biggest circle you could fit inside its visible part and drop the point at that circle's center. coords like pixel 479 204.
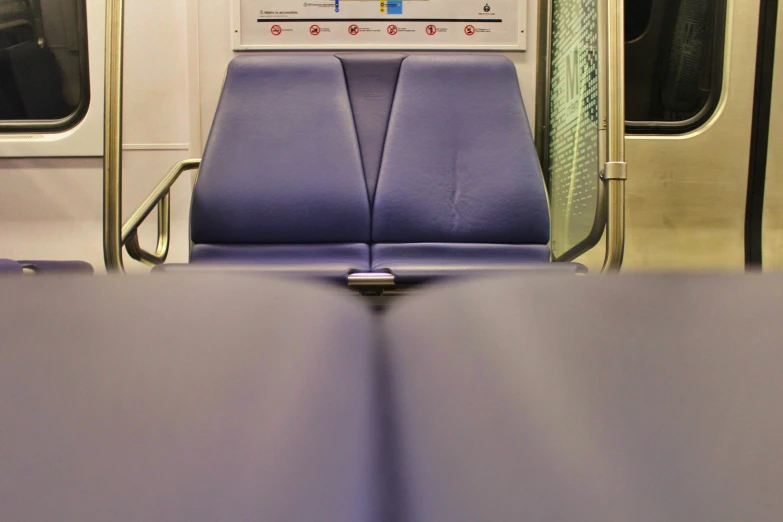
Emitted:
pixel 58 267
pixel 459 164
pixel 282 163
pixel 649 399
pixel 9 266
pixel 332 262
pixel 419 262
pixel 221 398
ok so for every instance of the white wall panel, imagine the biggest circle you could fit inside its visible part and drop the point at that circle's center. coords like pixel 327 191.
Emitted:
pixel 156 74
pixel 52 208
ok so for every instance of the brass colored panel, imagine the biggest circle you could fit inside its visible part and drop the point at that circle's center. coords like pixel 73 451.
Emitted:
pixel 773 196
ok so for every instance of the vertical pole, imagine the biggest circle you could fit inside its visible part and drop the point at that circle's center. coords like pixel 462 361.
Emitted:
pixel 112 138
pixel 615 171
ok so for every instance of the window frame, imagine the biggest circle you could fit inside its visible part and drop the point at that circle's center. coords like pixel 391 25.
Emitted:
pixel 543 115
pixel 78 115
pixel 720 27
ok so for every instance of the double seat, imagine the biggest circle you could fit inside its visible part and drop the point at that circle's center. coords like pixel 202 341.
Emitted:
pixel 417 167
pixel 631 398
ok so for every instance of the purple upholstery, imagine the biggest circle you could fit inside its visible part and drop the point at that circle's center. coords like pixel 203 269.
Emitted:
pixel 58 267
pixel 438 146
pixel 282 163
pixel 372 81
pixel 419 262
pixel 459 164
pixel 459 168
pixel 215 398
pixel 651 399
pixel 333 256
pixel 332 262
pixel 8 266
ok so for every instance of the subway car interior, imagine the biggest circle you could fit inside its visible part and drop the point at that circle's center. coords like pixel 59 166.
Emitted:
pixel 391 260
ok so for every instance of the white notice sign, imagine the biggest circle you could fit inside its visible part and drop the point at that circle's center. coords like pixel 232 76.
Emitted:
pixel 380 24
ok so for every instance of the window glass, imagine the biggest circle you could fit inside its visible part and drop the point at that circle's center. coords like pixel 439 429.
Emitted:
pixel 674 68
pixel 43 64
pixel 573 152
pixel 637 19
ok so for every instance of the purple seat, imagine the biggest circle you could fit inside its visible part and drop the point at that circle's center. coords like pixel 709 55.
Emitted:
pixel 185 399
pixel 413 263
pixel 281 181
pixel 645 398
pixel 8 266
pixel 423 166
pixel 330 263
pixel 58 267
pixel 372 83
pixel 460 188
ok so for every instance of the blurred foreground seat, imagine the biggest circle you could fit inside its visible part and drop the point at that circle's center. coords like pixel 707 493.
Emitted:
pixel 226 397
pixel 651 399
pixel 139 399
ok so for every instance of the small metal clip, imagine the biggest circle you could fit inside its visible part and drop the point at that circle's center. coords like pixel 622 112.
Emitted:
pixel 615 170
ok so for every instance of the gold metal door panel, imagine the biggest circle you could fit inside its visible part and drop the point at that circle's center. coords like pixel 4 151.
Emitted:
pixel 772 237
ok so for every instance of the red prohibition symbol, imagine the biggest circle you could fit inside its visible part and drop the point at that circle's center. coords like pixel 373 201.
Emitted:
pixel 431 30
pixel 392 29
pixel 353 30
pixel 315 30
pixel 470 30
pixel 276 30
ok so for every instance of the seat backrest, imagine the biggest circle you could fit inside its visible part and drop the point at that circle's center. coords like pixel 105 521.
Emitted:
pixel 372 81
pixel 282 162
pixel 301 144
pixel 459 163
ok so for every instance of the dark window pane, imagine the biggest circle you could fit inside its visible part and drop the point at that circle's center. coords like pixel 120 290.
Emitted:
pixel 43 64
pixel 673 68
pixel 637 19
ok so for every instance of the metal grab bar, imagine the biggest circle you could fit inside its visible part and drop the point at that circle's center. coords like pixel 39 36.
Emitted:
pixel 115 236
pixel 164 229
pixel 615 225
pixel 159 197
pixel 112 138
pixel 614 174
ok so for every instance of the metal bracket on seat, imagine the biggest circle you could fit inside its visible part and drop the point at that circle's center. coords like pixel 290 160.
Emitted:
pixel 615 170
pixel 370 279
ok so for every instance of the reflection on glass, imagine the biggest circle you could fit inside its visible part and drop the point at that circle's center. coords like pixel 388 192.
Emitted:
pixel 41 59
pixel 573 126
pixel 671 67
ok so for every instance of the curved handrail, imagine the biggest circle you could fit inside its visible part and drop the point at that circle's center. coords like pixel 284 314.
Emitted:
pixel 164 229
pixel 159 197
